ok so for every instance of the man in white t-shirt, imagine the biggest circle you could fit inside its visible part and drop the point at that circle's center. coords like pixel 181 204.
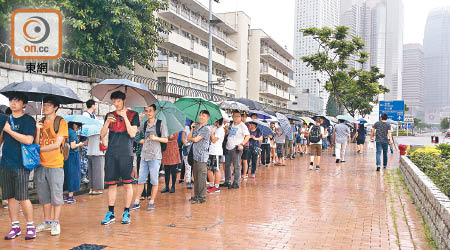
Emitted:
pixel 238 136
pixel 91 107
pixel 316 133
pixel 215 154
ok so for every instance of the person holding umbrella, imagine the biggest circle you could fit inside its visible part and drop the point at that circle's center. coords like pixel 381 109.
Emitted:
pixel 200 137
pixel 13 175
pixel 72 174
pixel 154 143
pixel 122 125
pixel 49 178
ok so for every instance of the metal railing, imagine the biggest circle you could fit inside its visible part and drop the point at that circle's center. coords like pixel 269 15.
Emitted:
pixel 96 73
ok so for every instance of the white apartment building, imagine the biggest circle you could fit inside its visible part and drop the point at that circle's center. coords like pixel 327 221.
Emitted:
pixel 183 56
pixel 311 13
pixel 270 70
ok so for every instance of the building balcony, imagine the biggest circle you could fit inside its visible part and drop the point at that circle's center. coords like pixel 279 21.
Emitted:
pixel 198 52
pixel 176 14
pixel 275 93
pixel 276 59
pixel 273 75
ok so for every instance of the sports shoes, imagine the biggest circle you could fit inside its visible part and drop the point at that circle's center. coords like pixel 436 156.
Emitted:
pixel 252 176
pixel 317 167
pixel 31 233
pixel 43 227
pixel 172 190
pixel 84 180
pixel 165 190
pixel 135 206
pixel 213 190
pixel 189 186
pixel 70 200
pixel 150 207
pixel 56 229
pixel 126 219
pixel 15 231
pixel 225 184
pixel 378 167
pixel 337 160
pixel 109 218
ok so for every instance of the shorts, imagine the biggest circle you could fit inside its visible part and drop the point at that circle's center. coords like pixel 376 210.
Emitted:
pixel 49 185
pixel 14 183
pixel 245 153
pixel 118 167
pixel 149 167
pixel 298 140
pixel 280 147
pixel 315 149
pixel 359 141
pixel 303 141
pixel 213 163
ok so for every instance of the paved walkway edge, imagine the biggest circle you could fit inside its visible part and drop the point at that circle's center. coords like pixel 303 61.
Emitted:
pixel 433 204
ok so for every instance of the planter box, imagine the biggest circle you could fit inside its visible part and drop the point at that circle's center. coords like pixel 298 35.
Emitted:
pixel 433 204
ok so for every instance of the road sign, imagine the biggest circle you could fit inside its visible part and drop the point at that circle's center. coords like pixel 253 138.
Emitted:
pixel 394 109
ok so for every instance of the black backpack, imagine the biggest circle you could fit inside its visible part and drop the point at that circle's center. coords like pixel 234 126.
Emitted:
pixel 158 133
pixel 315 136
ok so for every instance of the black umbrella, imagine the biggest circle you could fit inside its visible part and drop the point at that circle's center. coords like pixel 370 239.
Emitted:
pixel 293 117
pixel 249 103
pixel 37 91
pixel 326 122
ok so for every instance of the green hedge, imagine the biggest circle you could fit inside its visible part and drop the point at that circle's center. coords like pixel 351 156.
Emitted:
pixel 435 163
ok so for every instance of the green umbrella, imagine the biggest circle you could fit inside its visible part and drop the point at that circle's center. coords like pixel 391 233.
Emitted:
pixel 171 115
pixel 191 107
pixel 174 118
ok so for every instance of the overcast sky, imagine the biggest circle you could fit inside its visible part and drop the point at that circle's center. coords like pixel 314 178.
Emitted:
pixel 276 17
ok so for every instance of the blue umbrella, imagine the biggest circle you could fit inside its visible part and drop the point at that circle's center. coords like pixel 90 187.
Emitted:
pixel 82 119
pixel 362 120
pixel 263 127
pixel 89 130
pixel 249 103
pixel 261 114
pixel 284 124
pixel 137 94
pixel 346 118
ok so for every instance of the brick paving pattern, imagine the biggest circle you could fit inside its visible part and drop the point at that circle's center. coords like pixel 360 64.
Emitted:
pixel 342 206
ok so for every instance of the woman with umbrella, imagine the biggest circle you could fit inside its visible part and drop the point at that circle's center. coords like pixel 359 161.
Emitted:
pixel 360 136
pixel 72 173
pixel 254 150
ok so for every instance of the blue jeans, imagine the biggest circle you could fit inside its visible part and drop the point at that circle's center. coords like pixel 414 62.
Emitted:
pixel 382 146
pixel 149 167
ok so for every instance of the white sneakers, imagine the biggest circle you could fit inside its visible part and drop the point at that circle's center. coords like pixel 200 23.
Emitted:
pixel 54 228
pixel 43 227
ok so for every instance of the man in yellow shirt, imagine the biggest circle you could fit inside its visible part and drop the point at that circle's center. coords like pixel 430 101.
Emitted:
pixel 49 178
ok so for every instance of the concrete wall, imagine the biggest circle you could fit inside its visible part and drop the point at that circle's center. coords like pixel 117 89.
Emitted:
pixel 433 204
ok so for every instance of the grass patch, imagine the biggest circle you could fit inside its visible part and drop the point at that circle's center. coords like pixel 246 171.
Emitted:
pixel 428 236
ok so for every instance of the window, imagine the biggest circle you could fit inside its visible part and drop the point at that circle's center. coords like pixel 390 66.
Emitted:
pixel 204 43
pixel 203 67
pixel 186 34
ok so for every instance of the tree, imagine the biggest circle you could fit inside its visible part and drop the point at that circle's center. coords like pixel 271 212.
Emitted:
pixel 353 89
pixel 445 123
pixel 332 109
pixel 104 32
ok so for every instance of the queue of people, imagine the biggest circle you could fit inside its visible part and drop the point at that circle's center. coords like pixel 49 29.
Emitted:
pixel 133 152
